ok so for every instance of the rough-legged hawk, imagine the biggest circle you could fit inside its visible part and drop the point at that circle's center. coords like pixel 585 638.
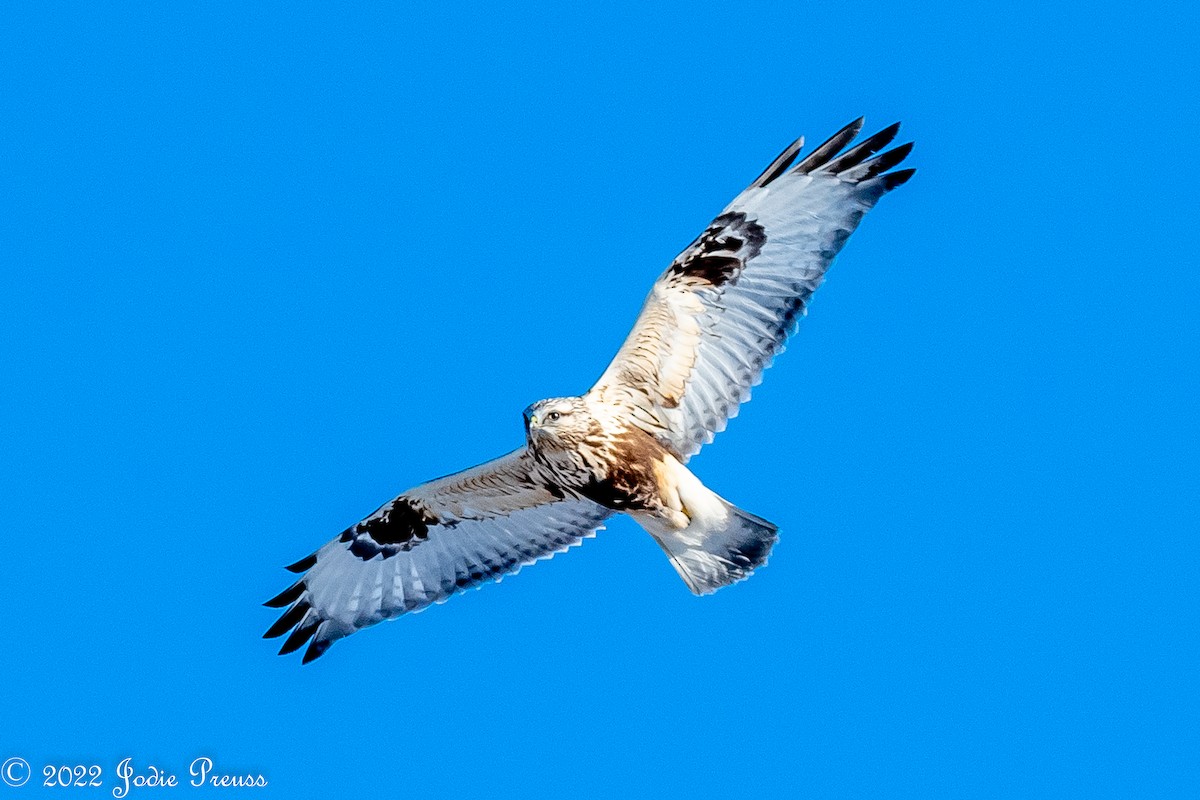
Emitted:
pixel 711 325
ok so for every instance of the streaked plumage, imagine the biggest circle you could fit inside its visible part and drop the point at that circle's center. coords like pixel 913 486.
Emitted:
pixel 710 326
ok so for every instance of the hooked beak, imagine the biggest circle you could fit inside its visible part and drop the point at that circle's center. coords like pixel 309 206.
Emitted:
pixel 533 421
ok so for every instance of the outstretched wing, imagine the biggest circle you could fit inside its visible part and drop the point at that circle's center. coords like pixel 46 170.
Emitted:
pixel 723 309
pixel 427 545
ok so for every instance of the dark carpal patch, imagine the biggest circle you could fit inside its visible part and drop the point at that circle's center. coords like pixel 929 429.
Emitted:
pixel 396 527
pixel 722 251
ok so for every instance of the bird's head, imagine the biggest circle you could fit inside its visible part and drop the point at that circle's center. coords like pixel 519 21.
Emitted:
pixel 561 421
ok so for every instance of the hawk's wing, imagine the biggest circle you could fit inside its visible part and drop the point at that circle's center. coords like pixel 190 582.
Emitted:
pixel 427 545
pixel 722 310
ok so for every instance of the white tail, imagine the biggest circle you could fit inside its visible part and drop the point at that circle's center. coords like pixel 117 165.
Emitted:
pixel 722 544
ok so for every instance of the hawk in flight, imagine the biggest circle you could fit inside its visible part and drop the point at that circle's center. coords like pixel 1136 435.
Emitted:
pixel 712 323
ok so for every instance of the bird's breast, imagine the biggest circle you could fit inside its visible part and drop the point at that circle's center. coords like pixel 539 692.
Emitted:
pixel 621 471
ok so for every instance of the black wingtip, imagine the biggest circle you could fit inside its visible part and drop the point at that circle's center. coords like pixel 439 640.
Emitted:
pixel 897 178
pixel 885 161
pixel 289 619
pixel 780 164
pixel 830 147
pixel 864 150
pixel 881 139
pixel 299 637
pixel 316 650
pixel 303 565
pixel 287 596
pixel 880 164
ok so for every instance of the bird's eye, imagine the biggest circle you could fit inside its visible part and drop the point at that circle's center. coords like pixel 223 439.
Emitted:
pixel 553 416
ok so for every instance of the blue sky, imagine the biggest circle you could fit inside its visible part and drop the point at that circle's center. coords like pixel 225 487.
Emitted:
pixel 267 267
